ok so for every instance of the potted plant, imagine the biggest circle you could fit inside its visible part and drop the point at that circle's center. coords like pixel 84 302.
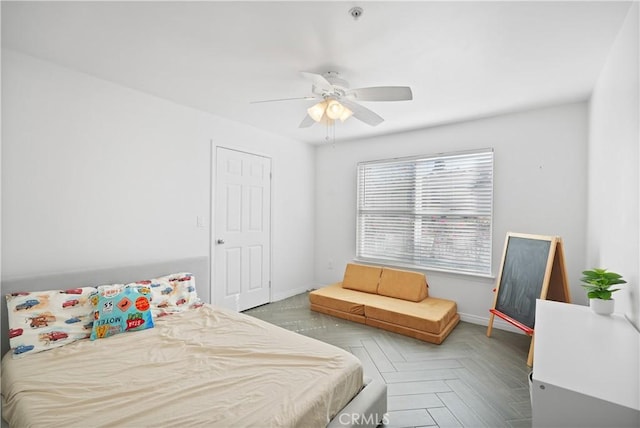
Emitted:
pixel 598 283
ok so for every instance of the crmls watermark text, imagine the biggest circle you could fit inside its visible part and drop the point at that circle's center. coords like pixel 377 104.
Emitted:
pixel 356 419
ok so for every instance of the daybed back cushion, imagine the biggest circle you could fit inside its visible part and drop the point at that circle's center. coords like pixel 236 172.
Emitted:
pixel 362 278
pixel 403 284
pixel 42 320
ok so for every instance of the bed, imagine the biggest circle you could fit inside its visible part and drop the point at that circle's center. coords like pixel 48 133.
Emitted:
pixel 205 366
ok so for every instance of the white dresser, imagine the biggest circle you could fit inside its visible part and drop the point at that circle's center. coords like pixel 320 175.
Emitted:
pixel 586 368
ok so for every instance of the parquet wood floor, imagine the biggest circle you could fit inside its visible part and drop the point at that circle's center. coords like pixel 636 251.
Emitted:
pixel 469 380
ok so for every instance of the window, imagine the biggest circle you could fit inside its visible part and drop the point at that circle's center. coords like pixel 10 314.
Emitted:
pixel 428 211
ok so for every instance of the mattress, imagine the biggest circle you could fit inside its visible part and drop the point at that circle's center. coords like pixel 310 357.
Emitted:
pixel 205 367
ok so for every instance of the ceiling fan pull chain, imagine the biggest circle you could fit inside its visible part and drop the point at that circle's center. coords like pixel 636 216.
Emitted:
pixel 334 135
pixel 326 138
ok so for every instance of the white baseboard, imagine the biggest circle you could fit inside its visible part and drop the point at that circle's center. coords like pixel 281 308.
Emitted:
pixel 281 295
pixel 497 323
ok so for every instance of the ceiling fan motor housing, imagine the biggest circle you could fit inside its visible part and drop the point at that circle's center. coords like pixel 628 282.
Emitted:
pixel 340 86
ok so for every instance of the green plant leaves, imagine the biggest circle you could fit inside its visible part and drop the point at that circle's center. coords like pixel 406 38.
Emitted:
pixel 600 294
pixel 597 282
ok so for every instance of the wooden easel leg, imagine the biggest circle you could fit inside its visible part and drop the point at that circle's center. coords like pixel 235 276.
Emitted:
pixel 530 357
pixel 490 327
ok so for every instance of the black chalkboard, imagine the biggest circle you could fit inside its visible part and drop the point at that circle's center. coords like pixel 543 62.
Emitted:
pixel 524 268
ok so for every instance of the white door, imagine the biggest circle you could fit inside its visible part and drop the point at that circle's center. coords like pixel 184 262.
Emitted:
pixel 241 238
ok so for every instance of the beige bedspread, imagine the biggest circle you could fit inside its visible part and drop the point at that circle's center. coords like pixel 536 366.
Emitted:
pixel 206 367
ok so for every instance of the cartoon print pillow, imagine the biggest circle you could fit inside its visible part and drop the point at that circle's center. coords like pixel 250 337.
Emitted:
pixel 120 309
pixel 42 320
pixel 172 293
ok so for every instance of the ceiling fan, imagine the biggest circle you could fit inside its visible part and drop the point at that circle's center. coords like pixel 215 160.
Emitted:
pixel 338 102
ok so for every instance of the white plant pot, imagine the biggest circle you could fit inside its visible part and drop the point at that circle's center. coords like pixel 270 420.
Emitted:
pixel 602 307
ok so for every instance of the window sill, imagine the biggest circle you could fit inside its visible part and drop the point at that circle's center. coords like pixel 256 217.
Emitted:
pixel 424 269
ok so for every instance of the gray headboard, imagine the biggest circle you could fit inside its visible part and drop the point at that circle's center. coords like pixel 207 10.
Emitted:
pixel 198 266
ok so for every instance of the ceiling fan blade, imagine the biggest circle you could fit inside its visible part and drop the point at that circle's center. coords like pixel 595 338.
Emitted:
pixel 306 122
pixel 283 99
pixel 319 82
pixel 362 113
pixel 382 93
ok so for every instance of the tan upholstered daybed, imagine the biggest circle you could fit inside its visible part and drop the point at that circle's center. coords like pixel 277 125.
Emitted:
pixel 204 366
pixel 391 299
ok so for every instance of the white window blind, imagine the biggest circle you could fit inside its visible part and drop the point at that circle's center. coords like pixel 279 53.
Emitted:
pixel 428 211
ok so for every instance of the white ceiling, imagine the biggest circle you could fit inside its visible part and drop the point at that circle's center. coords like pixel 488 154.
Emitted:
pixel 463 60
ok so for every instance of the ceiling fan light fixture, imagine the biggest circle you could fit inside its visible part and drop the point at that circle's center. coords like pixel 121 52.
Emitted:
pixel 335 110
pixel 346 114
pixel 317 111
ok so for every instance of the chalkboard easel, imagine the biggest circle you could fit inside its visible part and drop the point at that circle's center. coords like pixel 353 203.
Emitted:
pixel 533 267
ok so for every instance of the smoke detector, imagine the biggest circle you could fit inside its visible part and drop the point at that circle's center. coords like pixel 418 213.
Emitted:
pixel 356 12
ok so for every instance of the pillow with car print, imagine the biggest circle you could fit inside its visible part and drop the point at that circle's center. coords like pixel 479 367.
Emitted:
pixel 171 294
pixel 43 320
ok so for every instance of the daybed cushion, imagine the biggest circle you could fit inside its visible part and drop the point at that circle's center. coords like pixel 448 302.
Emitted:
pixel 347 301
pixel 431 315
pixel 416 334
pixel 362 278
pixel 338 298
pixel 403 284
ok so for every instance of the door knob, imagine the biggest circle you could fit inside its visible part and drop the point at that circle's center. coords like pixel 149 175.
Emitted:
pixel 220 241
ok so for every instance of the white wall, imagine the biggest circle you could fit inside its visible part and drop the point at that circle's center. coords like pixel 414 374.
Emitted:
pixel 95 174
pixel 98 175
pixel 613 224
pixel 539 188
